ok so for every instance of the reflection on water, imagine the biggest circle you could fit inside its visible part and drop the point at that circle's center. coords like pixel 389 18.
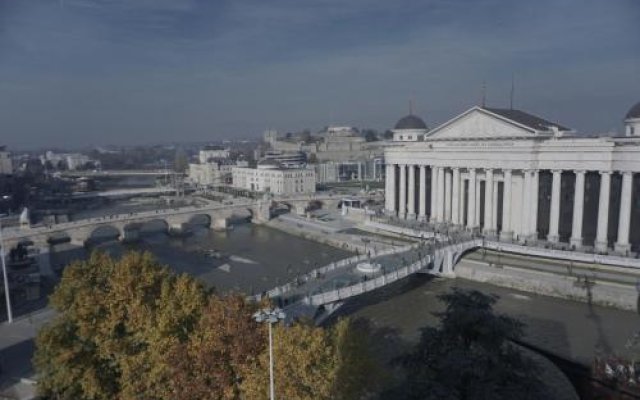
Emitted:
pixel 252 258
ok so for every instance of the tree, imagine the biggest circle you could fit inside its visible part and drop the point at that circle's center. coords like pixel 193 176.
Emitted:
pixel 470 356
pixel 116 321
pixel 358 374
pixel 370 135
pixel 303 367
pixel 387 135
pixel 129 328
pixel 210 365
pixel 48 166
pixel 315 363
pixel 305 136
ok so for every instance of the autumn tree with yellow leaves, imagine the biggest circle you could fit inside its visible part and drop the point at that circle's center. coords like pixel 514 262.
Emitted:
pixel 116 321
pixel 129 329
pixel 317 364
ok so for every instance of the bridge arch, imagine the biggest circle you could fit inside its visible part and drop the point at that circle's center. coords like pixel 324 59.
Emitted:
pixel 200 220
pixel 103 233
pixel 460 254
pixel 58 238
pixel 280 207
pixel 242 214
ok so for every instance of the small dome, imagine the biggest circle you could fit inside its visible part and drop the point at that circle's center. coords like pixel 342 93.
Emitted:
pixel 634 112
pixel 410 122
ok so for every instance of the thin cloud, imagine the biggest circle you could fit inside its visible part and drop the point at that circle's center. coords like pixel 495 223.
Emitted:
pixel 126 71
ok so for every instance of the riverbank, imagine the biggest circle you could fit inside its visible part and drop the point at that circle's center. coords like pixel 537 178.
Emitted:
pixel 346 239
pixel 606 286
pixel 608 281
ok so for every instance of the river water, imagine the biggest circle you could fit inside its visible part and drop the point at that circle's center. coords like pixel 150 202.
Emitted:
pixel 256 258
pixel 252 258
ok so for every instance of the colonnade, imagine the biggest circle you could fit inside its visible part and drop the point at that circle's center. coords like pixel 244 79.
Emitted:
pixel 454 198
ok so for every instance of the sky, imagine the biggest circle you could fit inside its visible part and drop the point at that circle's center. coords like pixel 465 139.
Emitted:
pixel 79 73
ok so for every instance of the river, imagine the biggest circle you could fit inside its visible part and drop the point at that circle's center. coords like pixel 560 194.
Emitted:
pixel 253 258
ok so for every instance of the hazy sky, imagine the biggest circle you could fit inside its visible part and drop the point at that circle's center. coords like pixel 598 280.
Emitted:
pixel 92 72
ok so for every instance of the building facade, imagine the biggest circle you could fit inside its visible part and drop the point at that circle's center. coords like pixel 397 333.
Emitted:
pixel 358 170
pixel 521 178
pixel 6 166
pixel 212 153
pixel 338 154
pixel 269 177
pixel 70 161
pixel 213 173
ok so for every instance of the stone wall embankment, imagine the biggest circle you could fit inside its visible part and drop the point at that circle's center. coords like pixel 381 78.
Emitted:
pixel 550 284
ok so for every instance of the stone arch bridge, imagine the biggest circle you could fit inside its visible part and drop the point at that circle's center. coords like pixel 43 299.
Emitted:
pixel 128 225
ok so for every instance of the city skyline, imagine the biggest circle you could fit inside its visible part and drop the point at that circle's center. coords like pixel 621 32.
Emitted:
pixel 98 72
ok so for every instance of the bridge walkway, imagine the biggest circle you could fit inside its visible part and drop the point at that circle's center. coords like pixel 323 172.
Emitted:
pixel 339 281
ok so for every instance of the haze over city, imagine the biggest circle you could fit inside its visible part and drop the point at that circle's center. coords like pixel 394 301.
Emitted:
pixel 320 199
pixel 84 72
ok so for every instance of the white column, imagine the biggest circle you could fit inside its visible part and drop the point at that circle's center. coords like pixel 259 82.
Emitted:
pixel 624 221
pixel 507 233
pixel 554 217
pixel 390 195
pixel 603 212
pixel 402 207
pixel 494 213
pixel 447 195
pixel 463 205
pixel 488 200
pixel 422 207
pixel 525 212
pixel 533 220
pixel 477 221
pixel 440 202
pixel 578 210
pixel 455 197
pixel 471 213
pixel 411 202
pixel 433 217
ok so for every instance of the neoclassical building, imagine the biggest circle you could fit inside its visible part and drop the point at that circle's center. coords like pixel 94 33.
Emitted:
pixel 521 178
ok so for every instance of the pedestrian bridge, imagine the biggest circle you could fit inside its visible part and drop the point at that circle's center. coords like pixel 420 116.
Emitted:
pixel 437 254
pixel 331 285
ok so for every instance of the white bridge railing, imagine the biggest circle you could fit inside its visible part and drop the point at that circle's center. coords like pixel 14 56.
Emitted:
pixel 314 274
pixel 454 250
pixel 366 286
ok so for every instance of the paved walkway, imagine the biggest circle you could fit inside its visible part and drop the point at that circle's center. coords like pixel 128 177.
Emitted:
pixel 17 346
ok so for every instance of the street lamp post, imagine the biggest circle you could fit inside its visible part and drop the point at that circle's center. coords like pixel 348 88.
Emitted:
pixel 5 276
pixel 270 316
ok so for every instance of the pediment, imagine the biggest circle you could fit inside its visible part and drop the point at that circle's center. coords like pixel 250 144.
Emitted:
pixel 478 123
